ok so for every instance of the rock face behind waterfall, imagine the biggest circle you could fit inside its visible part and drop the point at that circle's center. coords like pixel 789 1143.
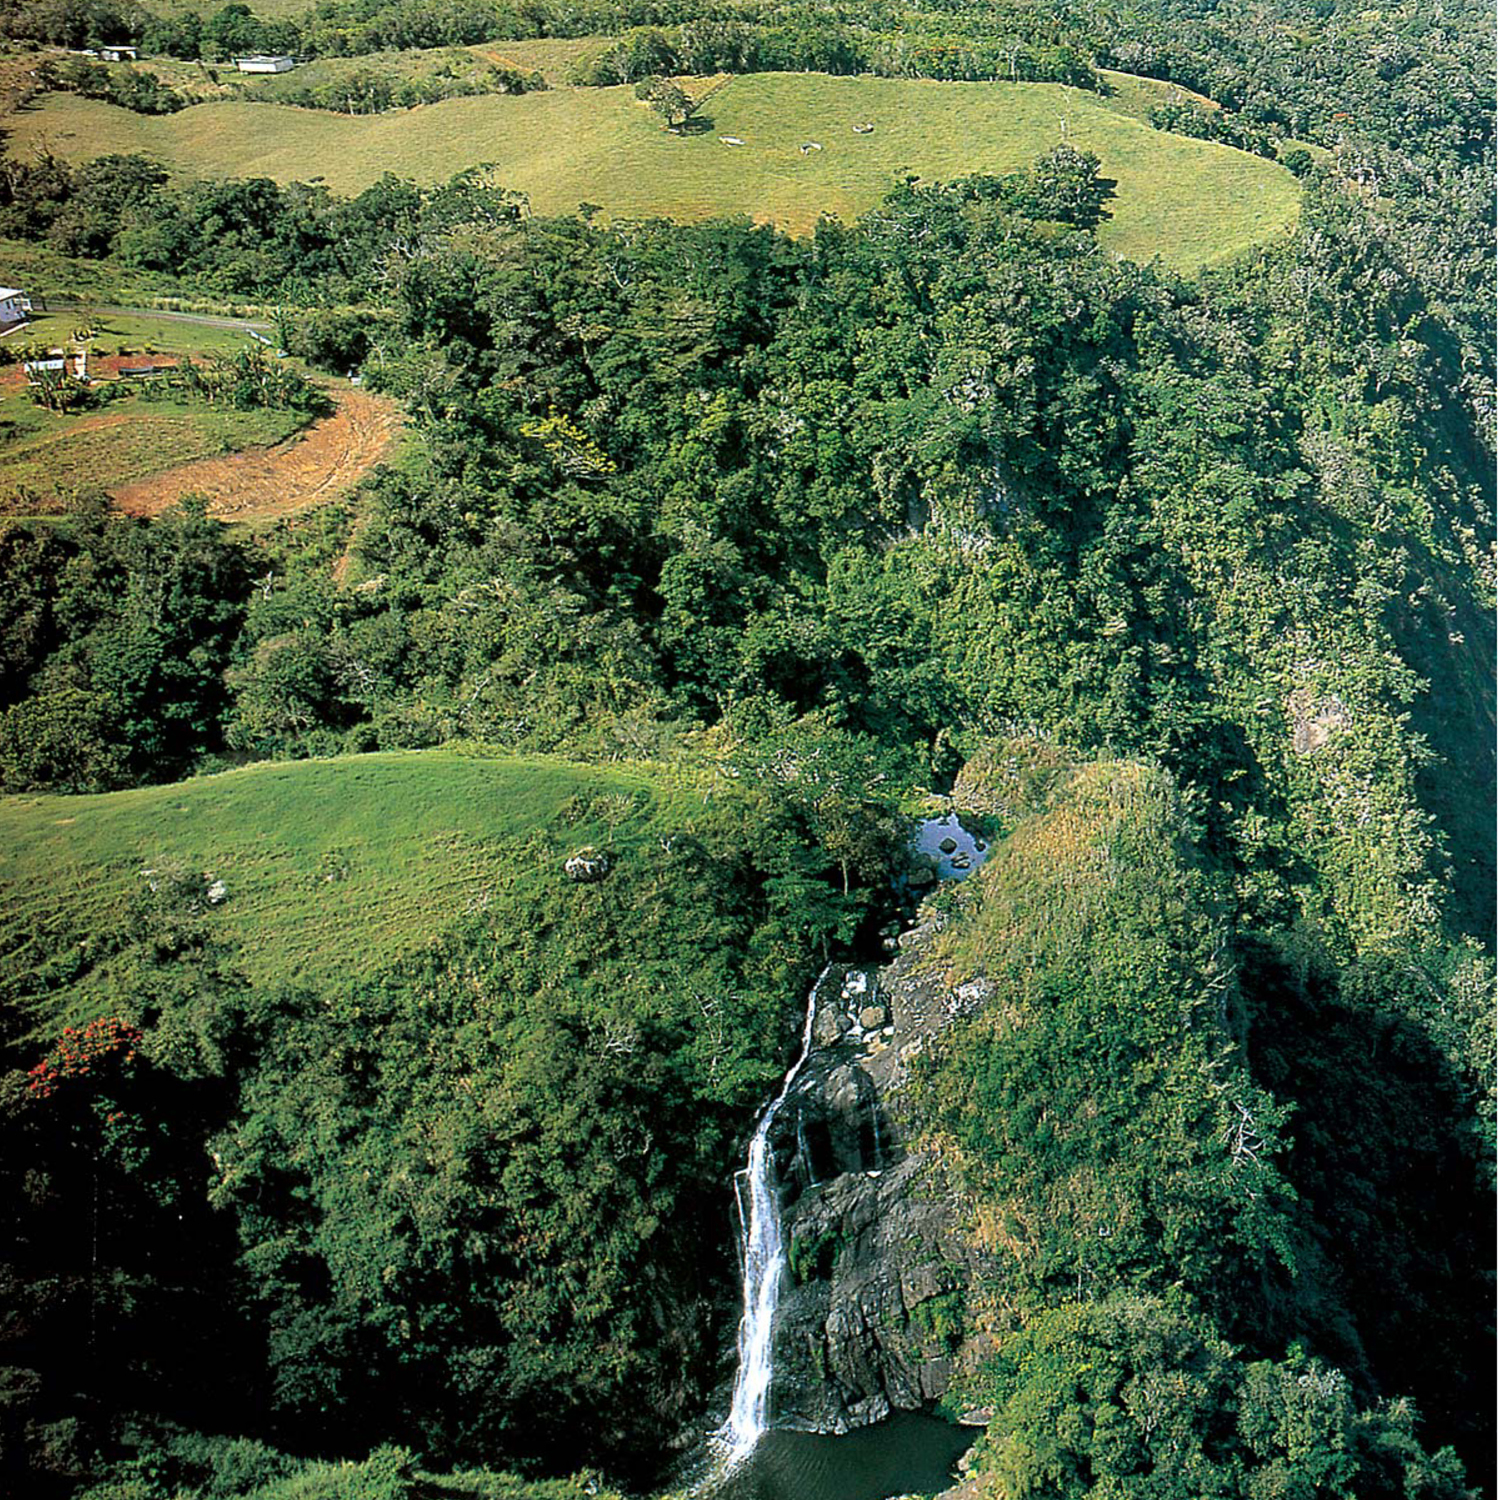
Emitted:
pixel 870 1320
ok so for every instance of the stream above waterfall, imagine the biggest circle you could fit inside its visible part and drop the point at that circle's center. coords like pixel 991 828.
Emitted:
pixel 909 1452
pixel 954 851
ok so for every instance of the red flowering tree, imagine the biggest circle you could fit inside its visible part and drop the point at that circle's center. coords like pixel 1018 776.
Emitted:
pixel 82 1052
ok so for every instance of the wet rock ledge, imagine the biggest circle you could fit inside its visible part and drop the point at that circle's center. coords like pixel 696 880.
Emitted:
pixel 873 1317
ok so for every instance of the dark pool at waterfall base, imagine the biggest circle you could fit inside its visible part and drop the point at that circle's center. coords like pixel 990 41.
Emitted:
pixel 908 1453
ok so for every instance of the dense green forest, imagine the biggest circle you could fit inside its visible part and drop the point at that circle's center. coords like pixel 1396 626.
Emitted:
pixel 1189 1141
pixel 719 551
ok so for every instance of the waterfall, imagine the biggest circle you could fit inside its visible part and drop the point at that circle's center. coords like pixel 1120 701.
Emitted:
pixel 763 1257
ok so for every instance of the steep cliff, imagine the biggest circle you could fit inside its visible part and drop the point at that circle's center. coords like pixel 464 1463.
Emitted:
pixel 1084 1135
pixel 881 1311
pixel 880 1267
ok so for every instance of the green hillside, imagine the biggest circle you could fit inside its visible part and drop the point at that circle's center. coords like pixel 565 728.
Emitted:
pixel 49 456
pixel 598 1047
pixel 1191 202
pixel 333 868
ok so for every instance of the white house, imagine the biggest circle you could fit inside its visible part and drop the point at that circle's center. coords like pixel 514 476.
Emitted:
pixel 261 63
pixel 118 54
pixel 58 363
pixel 14 306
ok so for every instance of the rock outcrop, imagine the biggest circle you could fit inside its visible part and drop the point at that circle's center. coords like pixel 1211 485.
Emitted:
pixel 587 866
pixel 872 1319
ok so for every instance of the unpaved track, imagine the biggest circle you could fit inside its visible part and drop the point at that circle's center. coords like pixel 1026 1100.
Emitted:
pixel 320 464
pixel 111 309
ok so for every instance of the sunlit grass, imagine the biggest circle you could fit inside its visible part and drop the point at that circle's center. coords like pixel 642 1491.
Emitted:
pixel 554 57
pixel 126 333
pixel 332 867
pixel 1189 202
pixel 47 457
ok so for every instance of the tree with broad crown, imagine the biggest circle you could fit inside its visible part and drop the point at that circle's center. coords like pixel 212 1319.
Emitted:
pixel 671 101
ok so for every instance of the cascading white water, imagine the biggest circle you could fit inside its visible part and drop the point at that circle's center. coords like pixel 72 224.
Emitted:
pixel 764 1259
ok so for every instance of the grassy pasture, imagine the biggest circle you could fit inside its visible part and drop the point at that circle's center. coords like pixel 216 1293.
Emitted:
pixel 333 867
pixel 554 57
pixel 1134 95
pixel 410 65
pixel 46 458
pixel 127 333
pixel 1189 202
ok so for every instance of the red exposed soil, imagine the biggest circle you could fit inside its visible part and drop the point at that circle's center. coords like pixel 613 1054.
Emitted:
pixel 105 367
pixel 321 464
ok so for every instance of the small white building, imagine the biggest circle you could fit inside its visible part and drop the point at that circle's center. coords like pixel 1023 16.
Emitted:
pixel 118 54
pixel 58 363
pixel 261 63
pixel 14 306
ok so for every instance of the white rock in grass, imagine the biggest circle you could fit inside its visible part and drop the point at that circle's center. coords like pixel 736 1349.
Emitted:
pixel 587 866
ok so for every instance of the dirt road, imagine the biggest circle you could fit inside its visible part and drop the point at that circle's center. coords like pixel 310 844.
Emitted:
pixel 110 309
pixel 320 464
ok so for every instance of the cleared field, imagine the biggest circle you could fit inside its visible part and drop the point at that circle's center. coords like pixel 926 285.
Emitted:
pixel 117 333
pixel 1189 202
pixel 310 468
pixel 332 867
pixel 46 458
pixel 394 67
pixel 554 57
pixel 1134 95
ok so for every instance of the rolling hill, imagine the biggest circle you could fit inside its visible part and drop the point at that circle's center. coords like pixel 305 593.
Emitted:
pixel 1190 202
pixel 332 867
